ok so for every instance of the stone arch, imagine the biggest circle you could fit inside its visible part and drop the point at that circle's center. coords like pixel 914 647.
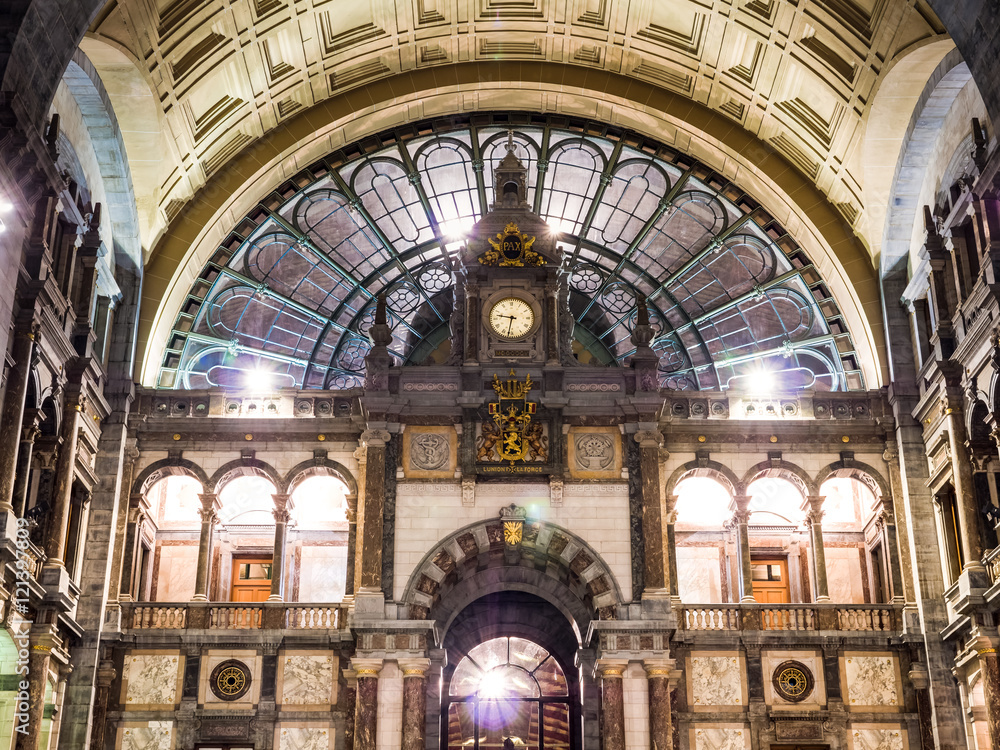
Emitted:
pixel 864 473
pixel 317 467
pixel 710 469
pixel 552 562
pixel 169 467
pixel 245 467
pixel 780 469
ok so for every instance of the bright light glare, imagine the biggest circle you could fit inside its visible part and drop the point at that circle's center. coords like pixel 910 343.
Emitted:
pixel 5 205
pixel 760 381
pixel 259 380
pixel 456 229
pixel 492 686
pixel 561 226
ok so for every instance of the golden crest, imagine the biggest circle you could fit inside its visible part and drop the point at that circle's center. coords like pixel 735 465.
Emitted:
pixel 513 532
pixel 511 248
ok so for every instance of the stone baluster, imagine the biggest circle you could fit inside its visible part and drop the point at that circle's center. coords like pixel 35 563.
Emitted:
pixel 209 515
pixel 813 507
pixel 414 702
pixel 62 491
pixel 365 671
pixel 740 507
pixel 612 703
pixel 282 514
pixel 658 677
pixel 13 411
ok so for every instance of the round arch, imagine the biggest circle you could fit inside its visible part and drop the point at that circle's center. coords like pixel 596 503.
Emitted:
pixel 641 106
pixel 169 467
pixel 320 467
pixel 709 469
pixel 862 472
pixel 552 563
pixel 780 469
pixel 245 467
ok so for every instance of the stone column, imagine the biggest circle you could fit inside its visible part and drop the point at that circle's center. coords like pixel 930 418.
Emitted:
pixel 920 680
pixel 989 666
pixel 282 508
pixel 813 506
pixel 38 672
pixel 741 517
pixel 135 520
pixel 370 533
pixel 62 491
pixel 671 546
pixel 209 515
pixel 98 729
pixel 366 704
pixel 414 702
pixel 887 521
pixel 29 432
pixel 612 703
pixel 13 410
pixel 661 730
pixel 352 543
pixel 654 567
pixel 969 520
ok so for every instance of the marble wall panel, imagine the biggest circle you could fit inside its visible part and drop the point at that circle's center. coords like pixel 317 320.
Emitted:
pixel 699 575
pixel 812 660
pixel 308 679
pixel 843 573
pixel 304 737
pixel 635 689
pixel 323 573
pixel 875 737
pixel 151 680
pixel 177 569
pixel 152 735
pixel 389 726
pixel 721 737
pixel 716 680
pixel 872 680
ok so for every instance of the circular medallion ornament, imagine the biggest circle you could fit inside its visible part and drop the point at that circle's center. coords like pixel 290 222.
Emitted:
pixel 230 680
pixel 793 681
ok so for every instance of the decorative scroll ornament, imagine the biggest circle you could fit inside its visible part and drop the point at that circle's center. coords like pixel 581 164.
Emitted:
pixel 512 516
pixel 511 436
pixel 511 248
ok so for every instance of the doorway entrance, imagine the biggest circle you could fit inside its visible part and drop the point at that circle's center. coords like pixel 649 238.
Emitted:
pixel 769 577
pixel 251 579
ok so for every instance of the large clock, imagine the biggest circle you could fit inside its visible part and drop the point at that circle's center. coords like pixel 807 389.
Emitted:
pixel 511 318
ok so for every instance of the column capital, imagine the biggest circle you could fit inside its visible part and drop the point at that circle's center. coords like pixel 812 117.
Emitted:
pixel 375 438
pixel 740 503
pixel 283 501
pixel 366 666
pixel 414 667
pixel 210 501
pixel 660 668
pixel 613 669
pixel 281 515
pixel 648 438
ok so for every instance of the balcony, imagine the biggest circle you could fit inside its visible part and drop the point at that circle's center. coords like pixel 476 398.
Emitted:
pixel 854 618
pixel 143 616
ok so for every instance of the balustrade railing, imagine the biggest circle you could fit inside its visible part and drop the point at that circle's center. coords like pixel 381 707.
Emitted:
pixel 230 616
pixel 992 561
pixel 799 617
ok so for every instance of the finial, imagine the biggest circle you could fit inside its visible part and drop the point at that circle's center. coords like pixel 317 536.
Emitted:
pixel 381 317
pixel 642 312
pixel 510 140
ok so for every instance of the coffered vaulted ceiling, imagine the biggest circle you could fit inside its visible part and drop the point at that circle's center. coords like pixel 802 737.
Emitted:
pixel 799 75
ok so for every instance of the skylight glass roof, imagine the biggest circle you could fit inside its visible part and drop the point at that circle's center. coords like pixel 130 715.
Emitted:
pixel 289 296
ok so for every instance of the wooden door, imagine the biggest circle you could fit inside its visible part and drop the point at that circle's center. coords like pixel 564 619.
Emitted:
pixel 770 580
pixel 251 579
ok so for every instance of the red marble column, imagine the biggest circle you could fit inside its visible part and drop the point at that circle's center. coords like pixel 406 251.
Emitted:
pixel 55 539
pixel 370 532
pixel 741 515
pixel 989 666
pixel 282 515
pixel 813 507
pixel 660 721
pixel 414 702
pixel 38 670
pixel 654 567
pixel 366 703
pixel 209 515
pixel 612 703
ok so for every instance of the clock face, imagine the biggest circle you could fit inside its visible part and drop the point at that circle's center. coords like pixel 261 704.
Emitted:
pixel 511 318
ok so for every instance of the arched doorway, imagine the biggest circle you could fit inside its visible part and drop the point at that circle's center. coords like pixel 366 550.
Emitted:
pixel 511 680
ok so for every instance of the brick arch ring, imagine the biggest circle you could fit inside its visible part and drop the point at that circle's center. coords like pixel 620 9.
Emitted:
pixel 550 561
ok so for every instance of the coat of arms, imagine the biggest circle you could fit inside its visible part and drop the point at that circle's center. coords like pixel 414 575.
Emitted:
pixel 511 248
pixel 511 436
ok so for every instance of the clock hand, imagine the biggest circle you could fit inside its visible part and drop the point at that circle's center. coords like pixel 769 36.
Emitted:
pixel 511 325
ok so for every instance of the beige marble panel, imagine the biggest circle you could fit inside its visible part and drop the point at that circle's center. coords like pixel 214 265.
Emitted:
pixel 726 737
pixel 843 573
pixel 430 452
pixel 305 738
pixel 178 566
pixel 699 576
pixel 871 680
pixel 151 680
pixel 874 737
pixel 716 680
pixel 152 735
pixel 323 574
pixel 307 679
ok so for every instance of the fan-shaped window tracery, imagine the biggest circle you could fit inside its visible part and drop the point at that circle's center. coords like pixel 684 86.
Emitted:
pixel 291 290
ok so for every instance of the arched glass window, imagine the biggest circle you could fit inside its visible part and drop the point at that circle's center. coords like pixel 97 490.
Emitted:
pixel 508 693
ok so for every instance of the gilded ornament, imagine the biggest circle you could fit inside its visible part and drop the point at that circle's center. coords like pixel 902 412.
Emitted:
pixel 511 248
pixel 512 532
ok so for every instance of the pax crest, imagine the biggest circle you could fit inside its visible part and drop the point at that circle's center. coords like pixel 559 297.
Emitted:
pixel 511 248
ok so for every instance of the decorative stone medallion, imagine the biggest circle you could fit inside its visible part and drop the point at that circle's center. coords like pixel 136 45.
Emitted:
pixel 429 451
pixel 793 681
pixel 230 680
pixel 595 451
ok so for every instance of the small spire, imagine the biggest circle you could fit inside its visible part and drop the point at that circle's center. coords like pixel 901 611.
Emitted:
pixel 381 317
pixel 510 141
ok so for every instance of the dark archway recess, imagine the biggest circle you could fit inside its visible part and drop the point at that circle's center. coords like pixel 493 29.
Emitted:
pixel 541 648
